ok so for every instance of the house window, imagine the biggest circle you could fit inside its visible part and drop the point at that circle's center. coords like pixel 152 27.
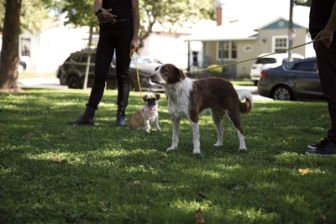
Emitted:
pixel 280 44
pixel 233 50
pixel 25 46
pixel 226 50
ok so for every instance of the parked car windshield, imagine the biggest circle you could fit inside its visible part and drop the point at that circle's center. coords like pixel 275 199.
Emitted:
pixel 266 61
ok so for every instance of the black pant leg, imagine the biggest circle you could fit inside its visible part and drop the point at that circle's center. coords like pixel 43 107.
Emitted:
pixel 104 55
pixel 122 66
pixel 326 61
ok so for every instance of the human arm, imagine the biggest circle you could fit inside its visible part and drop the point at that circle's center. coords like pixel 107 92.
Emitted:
pixel 327 34
pixel 103 15
pixel 136 24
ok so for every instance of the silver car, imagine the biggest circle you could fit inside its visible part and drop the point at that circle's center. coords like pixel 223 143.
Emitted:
pixel 266 61
pixel 294 80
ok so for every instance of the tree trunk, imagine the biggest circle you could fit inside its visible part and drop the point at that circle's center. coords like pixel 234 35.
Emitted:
pixel 10 47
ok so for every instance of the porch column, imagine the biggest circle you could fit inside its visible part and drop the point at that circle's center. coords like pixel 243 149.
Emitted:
pixel 188 68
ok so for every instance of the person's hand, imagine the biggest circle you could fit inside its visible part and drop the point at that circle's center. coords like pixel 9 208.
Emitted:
pixel 326 37
pixel 135 45
pixel 105 16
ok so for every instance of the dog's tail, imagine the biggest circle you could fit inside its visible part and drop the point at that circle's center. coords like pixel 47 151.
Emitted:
pixel 246 106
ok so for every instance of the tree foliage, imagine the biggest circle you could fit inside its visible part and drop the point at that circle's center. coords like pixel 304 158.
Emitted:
pixel 165 12
pixel 170 12
pixel 33 12
pixel 301 2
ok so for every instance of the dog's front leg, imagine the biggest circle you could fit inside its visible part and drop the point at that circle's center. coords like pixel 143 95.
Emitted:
pixel 147 126
pixel 156 123
pixel 176 132
pixel 242 145
pixel 196 138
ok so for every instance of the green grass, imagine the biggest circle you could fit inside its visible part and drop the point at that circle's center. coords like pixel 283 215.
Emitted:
pixel 243 83
pixel 51 172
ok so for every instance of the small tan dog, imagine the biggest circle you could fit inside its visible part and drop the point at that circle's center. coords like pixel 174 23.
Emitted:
pixel 149 114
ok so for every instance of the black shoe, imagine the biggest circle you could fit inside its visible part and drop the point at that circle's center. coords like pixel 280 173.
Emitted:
pixel 86 118
pixel 83 120
pixel 327 147
pixel 313 147
pixel 120 121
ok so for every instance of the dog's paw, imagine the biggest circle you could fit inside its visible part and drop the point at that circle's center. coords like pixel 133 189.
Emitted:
pixel 198 155
pixel 242 150
pixel 171 149
pixel 217 144
pixel 147 130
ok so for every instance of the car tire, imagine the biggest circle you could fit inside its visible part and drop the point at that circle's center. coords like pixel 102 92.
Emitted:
pixel 255 82
pixel 74 82
pixel 282 93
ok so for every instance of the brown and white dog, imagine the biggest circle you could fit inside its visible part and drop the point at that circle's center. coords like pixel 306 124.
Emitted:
pixel 187 98
pixel 143 118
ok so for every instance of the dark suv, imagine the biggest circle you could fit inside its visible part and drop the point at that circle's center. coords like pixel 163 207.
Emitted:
pixel 72 71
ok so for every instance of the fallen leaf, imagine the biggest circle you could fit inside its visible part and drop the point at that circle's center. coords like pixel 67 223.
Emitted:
pixel 236 188
pixel 29 135
pixel 135 183
pixel 305 171
pixel 199 217
pixel 201 194
pixel 323 217
pixel 57 159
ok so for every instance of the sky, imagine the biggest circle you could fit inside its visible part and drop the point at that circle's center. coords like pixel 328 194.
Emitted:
pixel 258 12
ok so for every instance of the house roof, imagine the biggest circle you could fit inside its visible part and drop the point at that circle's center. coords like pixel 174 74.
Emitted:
pixel 233 31
pixel 279 23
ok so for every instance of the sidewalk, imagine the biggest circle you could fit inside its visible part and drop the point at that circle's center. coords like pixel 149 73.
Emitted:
pixel 53 83
pixel 254 91
pixel 48 83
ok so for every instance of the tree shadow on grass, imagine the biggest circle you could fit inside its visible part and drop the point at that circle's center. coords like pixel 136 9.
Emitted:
pixel 148 186
pixel 53 172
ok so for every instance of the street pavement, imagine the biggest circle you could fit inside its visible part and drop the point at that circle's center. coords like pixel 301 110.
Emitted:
pixel 53 83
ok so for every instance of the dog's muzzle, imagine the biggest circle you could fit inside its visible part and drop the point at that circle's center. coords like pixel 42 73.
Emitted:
pixel 154 78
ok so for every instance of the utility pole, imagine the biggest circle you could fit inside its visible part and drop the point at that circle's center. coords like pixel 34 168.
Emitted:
pixel 290 30
pixel 88 62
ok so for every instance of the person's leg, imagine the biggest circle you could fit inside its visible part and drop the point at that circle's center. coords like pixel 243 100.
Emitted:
pixel 123 62
pixel 326 61
pixel 104 56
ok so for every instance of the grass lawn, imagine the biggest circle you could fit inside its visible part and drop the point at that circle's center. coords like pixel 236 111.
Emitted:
pixel 51 172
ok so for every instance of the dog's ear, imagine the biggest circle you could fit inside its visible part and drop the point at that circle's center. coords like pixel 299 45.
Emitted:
pixel 144 98
pixel 157 96
pixel 179 73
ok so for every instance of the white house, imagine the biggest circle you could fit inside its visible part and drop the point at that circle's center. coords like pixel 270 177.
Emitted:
pixel 45 50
